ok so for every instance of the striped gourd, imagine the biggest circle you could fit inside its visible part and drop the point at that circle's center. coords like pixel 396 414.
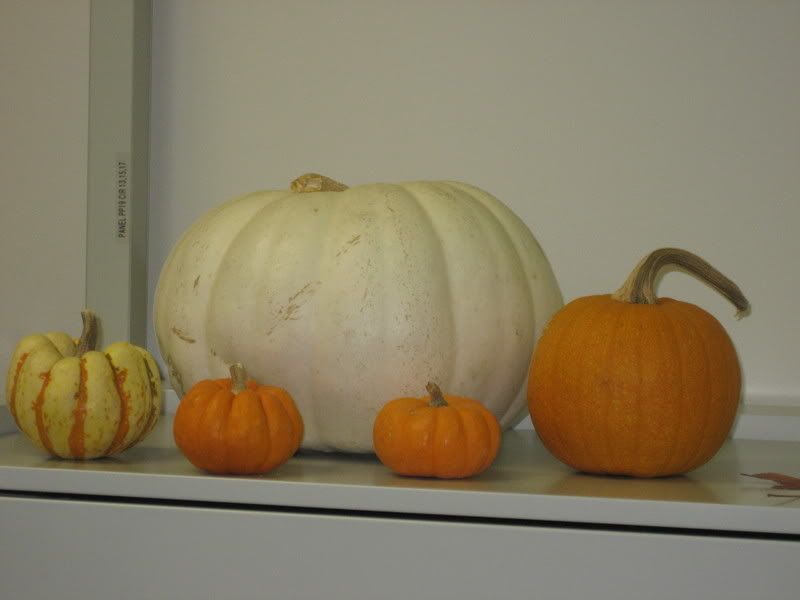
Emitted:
pixel 75 402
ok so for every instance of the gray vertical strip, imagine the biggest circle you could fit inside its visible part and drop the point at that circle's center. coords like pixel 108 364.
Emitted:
pixel 118 182
pixel 140 156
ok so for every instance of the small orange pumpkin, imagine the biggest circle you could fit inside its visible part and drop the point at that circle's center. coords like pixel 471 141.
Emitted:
pixel 632 384
pixel 438 436
pixel 237 426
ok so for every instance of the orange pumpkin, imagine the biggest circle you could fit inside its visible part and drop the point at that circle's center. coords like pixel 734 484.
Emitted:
pixel 437 436
pixel 632 384
pixel 237 426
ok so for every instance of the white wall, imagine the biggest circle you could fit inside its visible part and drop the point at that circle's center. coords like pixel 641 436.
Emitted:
pixel 44 71
pixel 611 128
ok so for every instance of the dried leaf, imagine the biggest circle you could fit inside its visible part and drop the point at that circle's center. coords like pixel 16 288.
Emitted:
pixel 782 482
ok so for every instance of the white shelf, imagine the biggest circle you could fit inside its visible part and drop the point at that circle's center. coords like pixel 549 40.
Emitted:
pixel 524 484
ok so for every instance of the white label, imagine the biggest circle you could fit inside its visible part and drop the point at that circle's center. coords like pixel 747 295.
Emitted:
pixel 122 178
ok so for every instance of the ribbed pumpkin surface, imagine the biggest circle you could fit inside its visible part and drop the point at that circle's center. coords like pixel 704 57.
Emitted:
pixel 245 432
pixel 634 389
pixel 458 438
pixel 350 298
pixel 82 406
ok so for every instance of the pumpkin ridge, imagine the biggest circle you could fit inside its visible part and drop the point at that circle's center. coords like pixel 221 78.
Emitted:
pixel 313 414
pixel 155 400
pixel 649 468
pixel 445 378
pixel 463 437
pixel 151 377
pixel 239 405
pixel 638 406
pixel 224 400
pixel 254 222
pixel 668 344
pixel 579 337
pixel 271 233
pixel 440 462
pixel 709 386
pixel 539 400
pixel 517 408
pixel 292 414
pixel 76 441
pixel 12 400
pixel 267 404
pixel 433 445
pixel 164 322
pixel 691 317
pixel 38 407
pixel 679 351
pixel 618 318
pixel 690 455
pixel 489 457
pixel 279 448
pixel 71 346
pixel 576 401
pixel 120 375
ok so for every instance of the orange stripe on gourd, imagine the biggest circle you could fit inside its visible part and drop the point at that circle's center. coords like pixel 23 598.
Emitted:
pixel 12 400
pixel 77 443
pixel 90 407
pixel 44 438
pixel 120 375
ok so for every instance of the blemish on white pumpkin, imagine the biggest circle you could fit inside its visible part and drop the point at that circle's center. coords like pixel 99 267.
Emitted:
pixel 306 289
pixel 175 375
pixel 289 313
pixel 293 305
pixel 196 282
pixel 183 335
pixel 354 241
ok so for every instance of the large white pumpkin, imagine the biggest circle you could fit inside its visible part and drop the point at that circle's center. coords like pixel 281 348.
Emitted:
pixel 350 297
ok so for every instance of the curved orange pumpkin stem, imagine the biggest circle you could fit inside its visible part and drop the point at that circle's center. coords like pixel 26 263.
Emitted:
pixel 639 288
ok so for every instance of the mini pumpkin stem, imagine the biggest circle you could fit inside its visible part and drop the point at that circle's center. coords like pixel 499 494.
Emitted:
pixel 238 378
pixel 639 288
pixel 314 182
pixel 437 397
pixel 88 339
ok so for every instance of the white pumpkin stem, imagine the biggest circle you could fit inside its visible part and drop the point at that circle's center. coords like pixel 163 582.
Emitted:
pixel 314 182
pixel 238 378
pixel 437 397
pixel 88 339
pixel 639 288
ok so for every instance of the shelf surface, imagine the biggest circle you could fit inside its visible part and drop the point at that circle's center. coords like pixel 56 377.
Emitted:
pixel 525 483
